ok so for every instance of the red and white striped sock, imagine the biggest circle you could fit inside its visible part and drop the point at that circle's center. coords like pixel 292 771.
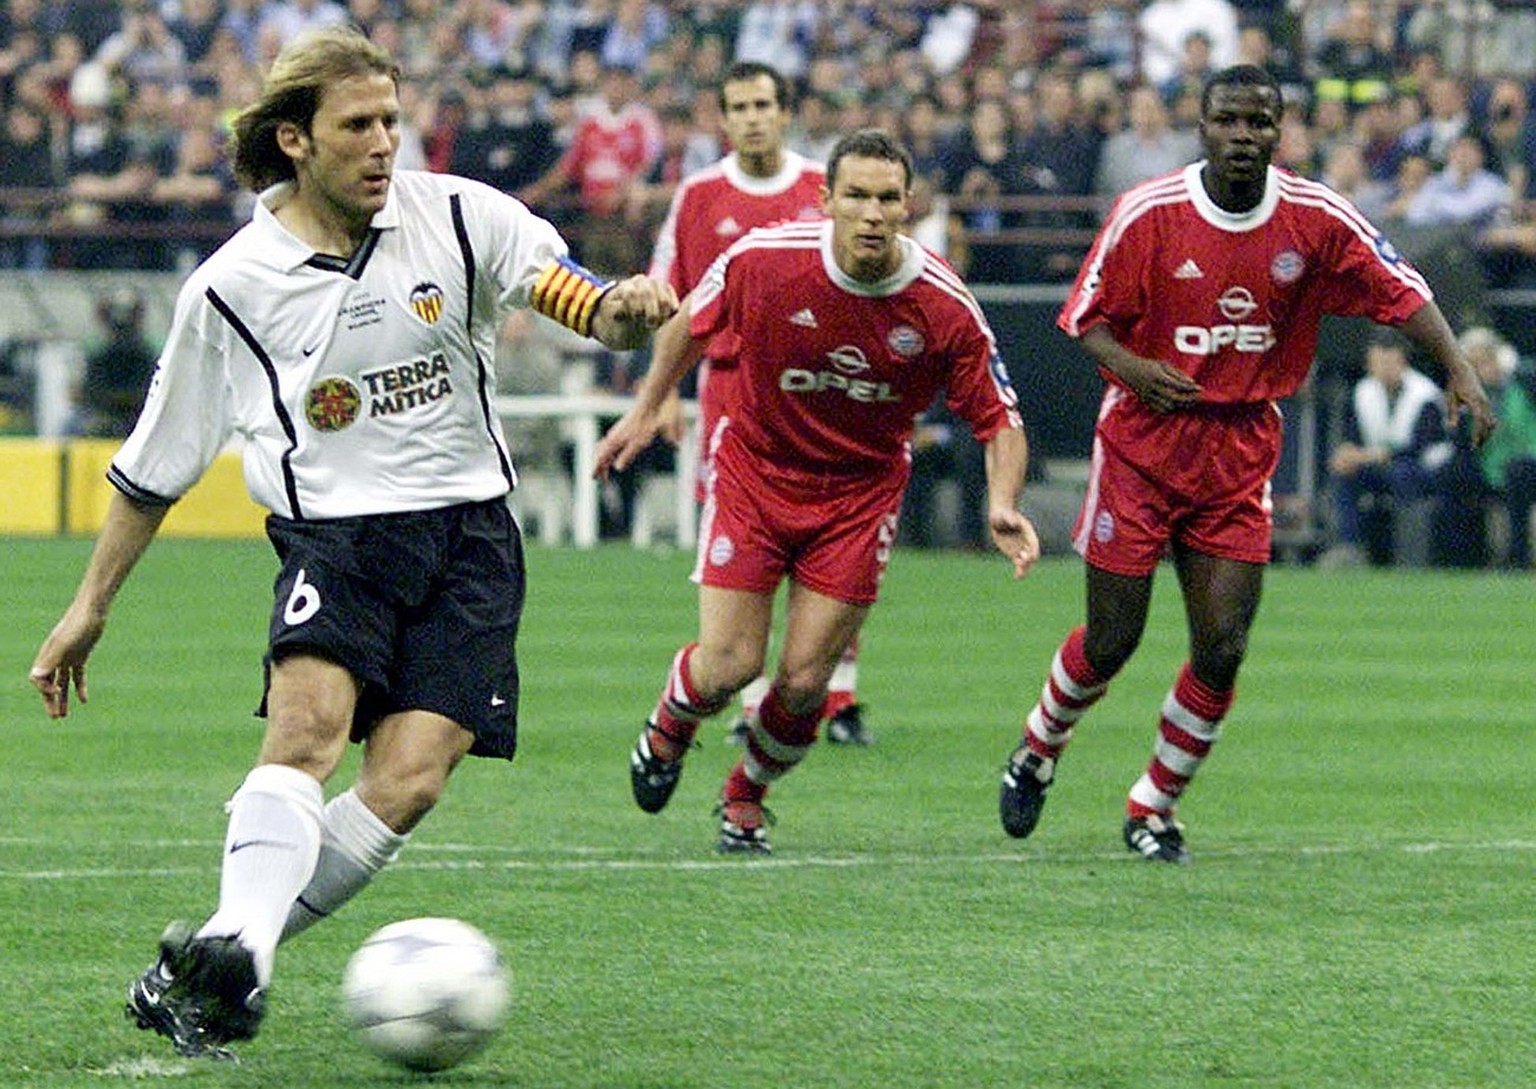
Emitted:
pixel 1191 722
pixel 843 687
pixel 778 740
pixel 1071 688
pixel 680 709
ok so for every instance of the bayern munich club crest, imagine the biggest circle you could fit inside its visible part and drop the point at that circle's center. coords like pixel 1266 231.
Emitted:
pixel 905 341
pixel 332 404
pixel 427 302
pixel 721 549
pixel 1287 267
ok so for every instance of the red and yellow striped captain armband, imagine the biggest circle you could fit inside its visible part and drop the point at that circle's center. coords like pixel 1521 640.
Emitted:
pixel 569 294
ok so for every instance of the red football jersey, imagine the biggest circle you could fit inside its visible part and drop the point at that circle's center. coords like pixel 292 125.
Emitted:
pixel 1235 300
pixel 713 208
pixel 832 372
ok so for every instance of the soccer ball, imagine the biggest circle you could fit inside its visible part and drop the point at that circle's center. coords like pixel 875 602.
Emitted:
pixel 426 993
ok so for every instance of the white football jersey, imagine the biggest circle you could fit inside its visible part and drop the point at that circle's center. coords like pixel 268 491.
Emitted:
pixel 362 386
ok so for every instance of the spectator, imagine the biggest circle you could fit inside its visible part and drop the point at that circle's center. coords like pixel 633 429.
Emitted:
pixel 197 195
pixel 985 166
pixel 367 15
pixel 1149 147
pixel 1111 38
pixel 1297 149
pixel 1508 459
pixel 815 130
pixel 117 368
pixel 1449 117
pixel 647 200
pixel 1511 137
pixel 1344 172
pixel 1379 135
pixel 1464 194
pixel 96 145
pixel 1413 172
pixel 1165 26
pixel 1392 454
pixel 1061 148
pixel 144 50
pixel 493 32
pixel 195 26
pixel 1330 125
pixel 948 36
pixel 944 450
pixel 718 19
pixel 637 27
pixel 1257 46
pixel 26 162
pixel 26 158
pixel 504 141
pixel 1355 62
pixel 778 33
pixel 1482 38
pixel 284 20
pixel 615 146
pixel 924 138
pixel 242 18
pixel 1194 67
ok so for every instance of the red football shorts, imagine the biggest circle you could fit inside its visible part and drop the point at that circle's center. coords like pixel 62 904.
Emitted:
pixel 716 383
pixel 831 534
pixel 1200 477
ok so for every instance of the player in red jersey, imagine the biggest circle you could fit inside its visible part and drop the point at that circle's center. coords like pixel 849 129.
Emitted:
pixel 842 332
pixel 1200 301
pixel 760 182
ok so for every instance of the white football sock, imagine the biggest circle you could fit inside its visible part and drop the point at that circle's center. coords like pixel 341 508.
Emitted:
pixel 354 845
pixel 270 850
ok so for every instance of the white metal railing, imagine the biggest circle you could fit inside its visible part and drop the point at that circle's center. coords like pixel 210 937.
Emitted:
pixel 580 416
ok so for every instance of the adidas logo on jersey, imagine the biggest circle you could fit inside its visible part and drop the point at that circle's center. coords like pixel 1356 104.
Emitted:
pixel 1188 270
pixel 728 227
pixel 804 318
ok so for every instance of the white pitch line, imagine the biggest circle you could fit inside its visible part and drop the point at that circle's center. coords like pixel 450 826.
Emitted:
pixel 785 862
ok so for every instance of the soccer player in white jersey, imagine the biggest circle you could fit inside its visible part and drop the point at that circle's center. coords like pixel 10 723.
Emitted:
pixel 1200 301
pixel 841 333
pixel 345 335
pixel 759 183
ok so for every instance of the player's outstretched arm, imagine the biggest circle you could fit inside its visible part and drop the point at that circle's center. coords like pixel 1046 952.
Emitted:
pixel 631 310
pixel 60 661
pixel 672 356
pixel 1007 458
pixel 1429 329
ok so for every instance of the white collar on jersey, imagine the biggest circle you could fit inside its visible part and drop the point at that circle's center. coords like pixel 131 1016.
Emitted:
pixel 286 251
pixel 910 268
pixel 1230 221
pixel 789 172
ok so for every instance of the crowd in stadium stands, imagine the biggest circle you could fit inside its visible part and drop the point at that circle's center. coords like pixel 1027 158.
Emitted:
pixel 592 110
pixel 1024 117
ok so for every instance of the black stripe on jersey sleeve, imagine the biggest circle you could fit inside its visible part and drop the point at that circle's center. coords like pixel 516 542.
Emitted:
pixel 290 485
pixel 142 496
pixel 467 250
pixel 352 266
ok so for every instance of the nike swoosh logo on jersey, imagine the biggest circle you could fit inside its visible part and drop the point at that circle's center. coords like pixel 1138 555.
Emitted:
pixel 311 351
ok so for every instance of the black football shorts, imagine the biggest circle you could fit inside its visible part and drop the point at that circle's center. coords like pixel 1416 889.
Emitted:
pixel 421 607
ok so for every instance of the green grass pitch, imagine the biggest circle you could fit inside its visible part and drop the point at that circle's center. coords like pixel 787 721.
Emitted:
pixel 1361 911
